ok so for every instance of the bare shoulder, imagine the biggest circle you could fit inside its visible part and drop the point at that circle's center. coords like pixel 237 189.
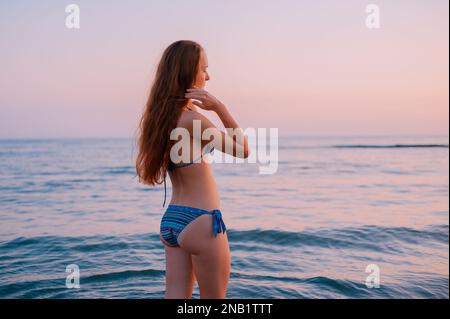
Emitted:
pixel 187 119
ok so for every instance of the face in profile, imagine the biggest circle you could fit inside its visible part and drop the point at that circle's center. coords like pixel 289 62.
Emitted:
pixel 202 71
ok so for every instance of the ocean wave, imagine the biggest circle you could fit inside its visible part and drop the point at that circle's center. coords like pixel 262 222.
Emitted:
pixel 364 237
pixel 34 267
pixel 369 146
pixel 392 146
pixel 105 284
pixel 117 170
pixel 124 274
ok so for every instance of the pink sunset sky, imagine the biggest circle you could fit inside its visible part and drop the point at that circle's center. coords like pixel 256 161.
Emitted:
pixel 306 67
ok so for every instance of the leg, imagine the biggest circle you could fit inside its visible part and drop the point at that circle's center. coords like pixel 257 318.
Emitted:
pixel 210 256
pixel 179 273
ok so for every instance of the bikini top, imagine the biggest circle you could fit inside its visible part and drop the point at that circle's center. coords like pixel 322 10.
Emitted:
pixel 171 166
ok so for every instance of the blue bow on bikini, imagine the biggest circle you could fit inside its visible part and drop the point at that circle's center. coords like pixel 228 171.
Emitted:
pixel 218 224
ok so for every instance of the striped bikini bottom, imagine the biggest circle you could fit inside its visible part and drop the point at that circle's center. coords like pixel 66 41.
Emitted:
pixel 177 217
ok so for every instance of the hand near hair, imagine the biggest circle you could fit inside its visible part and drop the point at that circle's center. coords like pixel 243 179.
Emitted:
pixel 207 100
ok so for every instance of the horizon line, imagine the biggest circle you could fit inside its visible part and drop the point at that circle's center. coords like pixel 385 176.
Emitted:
pixel 285 134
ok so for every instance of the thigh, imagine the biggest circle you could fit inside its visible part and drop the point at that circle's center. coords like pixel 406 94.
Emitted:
pixel 212 267
pixel 180 276
pixel 210 256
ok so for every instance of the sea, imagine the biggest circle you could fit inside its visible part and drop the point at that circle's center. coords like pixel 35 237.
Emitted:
pixel 340 217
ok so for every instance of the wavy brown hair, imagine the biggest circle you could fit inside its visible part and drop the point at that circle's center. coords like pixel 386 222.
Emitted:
pixel 176 72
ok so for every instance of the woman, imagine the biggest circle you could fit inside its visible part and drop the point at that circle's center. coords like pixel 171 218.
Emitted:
pixel 192 228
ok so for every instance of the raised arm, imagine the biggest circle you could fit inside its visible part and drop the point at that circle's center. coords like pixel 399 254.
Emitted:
pixel 234 141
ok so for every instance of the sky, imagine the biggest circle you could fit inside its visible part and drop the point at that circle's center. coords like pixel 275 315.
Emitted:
pixel 308 67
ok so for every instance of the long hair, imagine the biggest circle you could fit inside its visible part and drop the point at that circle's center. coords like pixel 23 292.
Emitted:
pixel 176 73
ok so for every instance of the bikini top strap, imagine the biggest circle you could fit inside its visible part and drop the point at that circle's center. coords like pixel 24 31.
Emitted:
pixel 165 189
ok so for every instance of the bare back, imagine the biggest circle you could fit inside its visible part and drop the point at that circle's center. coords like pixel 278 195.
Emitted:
pixel 194 185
